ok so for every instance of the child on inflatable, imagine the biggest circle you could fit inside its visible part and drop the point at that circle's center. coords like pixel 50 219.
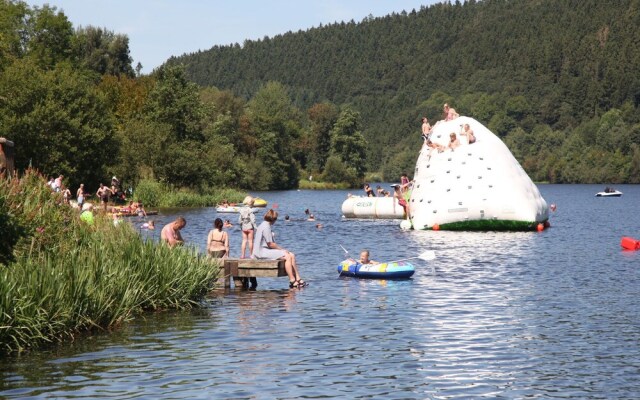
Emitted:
pixel 364 258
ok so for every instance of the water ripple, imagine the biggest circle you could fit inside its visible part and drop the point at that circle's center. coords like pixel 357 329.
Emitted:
pixel 495 315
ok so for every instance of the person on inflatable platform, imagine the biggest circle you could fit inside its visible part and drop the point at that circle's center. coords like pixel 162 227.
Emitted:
pixel 265 247
pixel 405 183
pixel 426 129
pixel 399 196
pixel 368 190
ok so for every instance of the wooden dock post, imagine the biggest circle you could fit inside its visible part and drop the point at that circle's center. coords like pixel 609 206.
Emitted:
pixel 238 268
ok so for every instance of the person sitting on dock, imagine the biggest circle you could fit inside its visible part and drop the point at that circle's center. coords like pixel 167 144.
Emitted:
pixel 265 247
pixel 218 241
pixel 171 232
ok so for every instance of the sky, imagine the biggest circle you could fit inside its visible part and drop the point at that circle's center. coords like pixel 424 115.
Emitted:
pixel 159 29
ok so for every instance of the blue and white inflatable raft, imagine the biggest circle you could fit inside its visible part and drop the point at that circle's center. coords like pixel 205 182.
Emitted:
pixel 392 270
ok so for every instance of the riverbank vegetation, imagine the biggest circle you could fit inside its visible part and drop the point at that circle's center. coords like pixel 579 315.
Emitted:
pixel 60 277
pixel 155 194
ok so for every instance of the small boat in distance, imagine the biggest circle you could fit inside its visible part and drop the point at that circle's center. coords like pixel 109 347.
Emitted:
pixel 609 192
pixel 259 202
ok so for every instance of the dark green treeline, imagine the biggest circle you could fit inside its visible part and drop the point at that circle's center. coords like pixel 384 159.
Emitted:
pixel 557 80
pixel 73 105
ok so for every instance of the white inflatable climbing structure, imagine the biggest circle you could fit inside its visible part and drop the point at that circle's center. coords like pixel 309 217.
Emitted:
pixel 478 186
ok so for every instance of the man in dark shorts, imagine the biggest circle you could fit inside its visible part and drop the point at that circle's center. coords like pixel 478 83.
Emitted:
pixel 103 194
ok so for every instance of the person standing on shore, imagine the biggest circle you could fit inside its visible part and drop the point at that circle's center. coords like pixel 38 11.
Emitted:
pixel 103 194
pixel 80 195
pixel 171 232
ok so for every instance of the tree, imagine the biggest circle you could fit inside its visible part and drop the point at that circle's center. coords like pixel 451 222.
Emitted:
pixel 175 101
pixel 49 37
pixel 347 142
pixel 103 51
pixel 59 121
pixel 322 117
pixel 274 121
pixel 13 20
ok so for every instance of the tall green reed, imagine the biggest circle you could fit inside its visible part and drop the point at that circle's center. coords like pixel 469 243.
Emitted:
pixel 68 277
pixel 156 194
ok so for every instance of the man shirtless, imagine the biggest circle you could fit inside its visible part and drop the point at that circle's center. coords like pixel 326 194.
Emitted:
pixel 426 128
pixel 103 194
pixel 171 232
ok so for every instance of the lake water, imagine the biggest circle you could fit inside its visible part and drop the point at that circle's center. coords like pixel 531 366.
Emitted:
pixel 554 314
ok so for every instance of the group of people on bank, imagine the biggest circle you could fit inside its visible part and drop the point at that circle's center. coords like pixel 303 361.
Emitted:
pixel 258 239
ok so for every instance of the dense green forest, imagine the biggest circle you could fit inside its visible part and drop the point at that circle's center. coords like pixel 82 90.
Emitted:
pixel 557 80
pixel 73 105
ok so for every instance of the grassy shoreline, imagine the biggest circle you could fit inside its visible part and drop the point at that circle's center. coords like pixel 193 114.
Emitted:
pixel 155 194
pixel 60 276
pixel 315 185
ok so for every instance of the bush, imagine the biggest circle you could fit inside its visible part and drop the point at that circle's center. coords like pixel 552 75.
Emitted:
pixel 315 185
pixel 67 276
pixel 153 194
pixel 335 171
pixel 149 192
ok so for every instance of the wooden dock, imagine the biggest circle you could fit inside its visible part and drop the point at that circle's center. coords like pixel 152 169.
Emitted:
pixel 239 268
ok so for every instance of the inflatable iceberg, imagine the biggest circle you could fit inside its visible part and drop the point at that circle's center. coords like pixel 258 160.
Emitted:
pixel 478 186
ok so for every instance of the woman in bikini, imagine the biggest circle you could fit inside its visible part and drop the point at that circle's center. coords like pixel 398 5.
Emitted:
pixel 218 241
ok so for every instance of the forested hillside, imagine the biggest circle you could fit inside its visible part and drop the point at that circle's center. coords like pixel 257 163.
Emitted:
pixel 557 80
pixel 74 106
